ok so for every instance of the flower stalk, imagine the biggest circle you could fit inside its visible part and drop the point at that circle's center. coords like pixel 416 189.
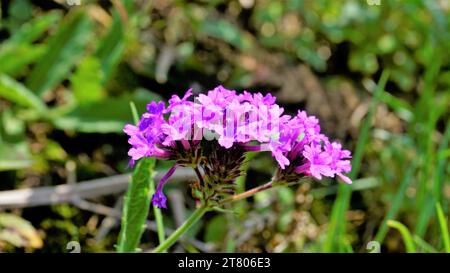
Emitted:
pixel 173 238
pixel 202 210
pixel 248 193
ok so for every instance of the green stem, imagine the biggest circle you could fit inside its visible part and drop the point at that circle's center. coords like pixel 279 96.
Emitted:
pixel 134 112
pixel 181 230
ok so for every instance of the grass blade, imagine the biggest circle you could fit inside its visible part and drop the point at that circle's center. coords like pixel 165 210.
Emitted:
pixel 441 164
pixel 424 216
pixel 406 235
pixel 427 116
pixel 336 229
pixel 424 245
pixel 134 112
pixel 444 227
pixel 396 204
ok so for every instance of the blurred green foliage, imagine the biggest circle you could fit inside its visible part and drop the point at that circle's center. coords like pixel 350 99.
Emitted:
pixel 68 73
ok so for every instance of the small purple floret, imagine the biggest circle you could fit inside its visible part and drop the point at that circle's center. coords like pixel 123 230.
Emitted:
pixel 159 200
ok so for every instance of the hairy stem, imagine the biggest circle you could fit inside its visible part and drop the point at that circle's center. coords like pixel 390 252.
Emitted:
pixel 248 193
pixel 181 230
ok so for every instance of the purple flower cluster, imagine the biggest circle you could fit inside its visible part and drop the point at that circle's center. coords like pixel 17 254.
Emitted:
pixel 253 122
pixel 301 143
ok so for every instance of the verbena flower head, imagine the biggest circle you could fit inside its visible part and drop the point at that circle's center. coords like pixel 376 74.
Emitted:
pixel 213 131
pixel 307 151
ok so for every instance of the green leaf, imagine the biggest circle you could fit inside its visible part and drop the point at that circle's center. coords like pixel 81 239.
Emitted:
pixel 106 116
pixel 400 106
pixel 14 156
pixel 21 44
pixel 17 93
pixel 18 231
pixel 12 65
pixel 224 30
pixel 216 230
pixel 13 126
pixel 64 49
pixel 363 61
pixel 19 12
pixel 111 47
pixel 136 206
pixel 34 29
pixel 86 82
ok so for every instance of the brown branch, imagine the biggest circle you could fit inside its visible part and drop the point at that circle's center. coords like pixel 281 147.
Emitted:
pixel 42 196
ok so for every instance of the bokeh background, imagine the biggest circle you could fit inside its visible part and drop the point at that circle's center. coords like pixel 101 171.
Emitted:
pixel 69 69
